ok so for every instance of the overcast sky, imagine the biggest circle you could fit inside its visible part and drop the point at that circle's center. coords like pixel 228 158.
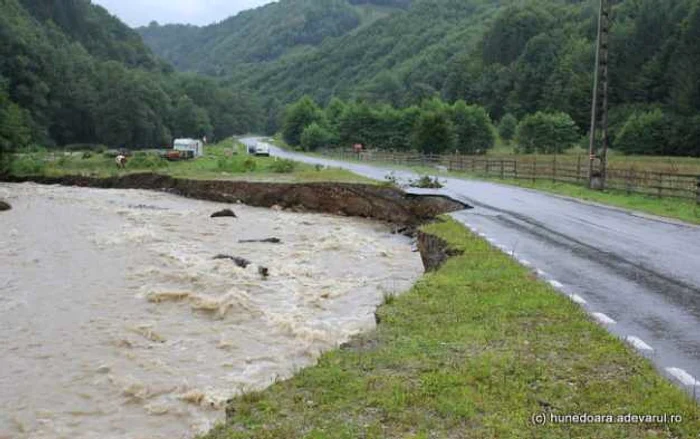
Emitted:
pixel 141 12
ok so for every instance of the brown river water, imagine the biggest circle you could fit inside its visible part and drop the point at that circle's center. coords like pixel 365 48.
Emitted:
pixel 116 321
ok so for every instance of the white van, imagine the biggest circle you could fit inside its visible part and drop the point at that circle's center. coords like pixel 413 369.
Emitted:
pixel 262 149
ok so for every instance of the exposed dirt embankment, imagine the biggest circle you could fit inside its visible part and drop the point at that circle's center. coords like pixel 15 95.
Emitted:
pixel 434 251
pixel 378 202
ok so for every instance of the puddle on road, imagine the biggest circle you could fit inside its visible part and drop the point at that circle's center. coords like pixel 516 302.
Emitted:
pixel 116 321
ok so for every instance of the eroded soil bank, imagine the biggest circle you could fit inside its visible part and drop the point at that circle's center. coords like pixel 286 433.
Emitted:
pixel 378 202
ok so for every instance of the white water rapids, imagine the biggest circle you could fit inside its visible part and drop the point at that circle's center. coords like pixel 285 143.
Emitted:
pixel 116 321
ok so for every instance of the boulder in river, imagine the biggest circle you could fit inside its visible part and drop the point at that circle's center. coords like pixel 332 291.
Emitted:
pixel 241 262
pixel 226 213
pixel 264 272
pixel 264 241
pixel 4 206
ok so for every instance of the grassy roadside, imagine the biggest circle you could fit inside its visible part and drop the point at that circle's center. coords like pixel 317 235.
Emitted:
pixel 224 161
pixel 474 350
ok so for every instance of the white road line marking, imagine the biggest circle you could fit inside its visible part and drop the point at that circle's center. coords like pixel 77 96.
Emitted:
pixel 556 284
pixel 683 376
pixel 602 318
pixel 578 299
pixel 638 343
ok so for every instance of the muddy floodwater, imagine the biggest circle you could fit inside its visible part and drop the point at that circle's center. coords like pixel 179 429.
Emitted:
pixel 116 321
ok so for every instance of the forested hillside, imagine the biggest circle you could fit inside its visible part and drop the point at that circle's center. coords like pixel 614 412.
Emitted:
pixel 511 57
pixel 101 34
pixel 71 73
pixel 258 35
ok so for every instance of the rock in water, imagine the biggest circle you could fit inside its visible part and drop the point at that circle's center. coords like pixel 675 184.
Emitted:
pixel 4 206
pixel 264 272
pixel 226 213
pixel 265 241
pixel 243 263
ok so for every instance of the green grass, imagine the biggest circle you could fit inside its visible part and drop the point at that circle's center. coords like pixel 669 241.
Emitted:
pixel 474 350
pixel 664 164
pixel 225 161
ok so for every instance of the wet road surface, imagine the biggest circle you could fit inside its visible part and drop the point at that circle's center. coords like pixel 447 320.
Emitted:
pixel 639 276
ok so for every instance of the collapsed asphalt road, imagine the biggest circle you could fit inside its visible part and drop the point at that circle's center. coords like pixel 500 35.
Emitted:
pixel 637 275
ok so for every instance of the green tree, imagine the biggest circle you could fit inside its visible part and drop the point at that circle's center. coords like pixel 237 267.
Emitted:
pixel 512 30
pixel 334 111
pixel 298 116
pixel 644 133
pixel 15 132
pixel 191 120
pixel 473 127
pixel 385 87
pixel 547 133
pixel 533 70
pixel 434 133
pixel 507 127
pixel 357 124
pixel 315 137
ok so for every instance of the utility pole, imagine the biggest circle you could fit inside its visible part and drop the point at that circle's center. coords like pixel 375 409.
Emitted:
pixel 598 146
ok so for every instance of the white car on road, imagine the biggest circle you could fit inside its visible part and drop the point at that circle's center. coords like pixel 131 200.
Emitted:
pixel 261 149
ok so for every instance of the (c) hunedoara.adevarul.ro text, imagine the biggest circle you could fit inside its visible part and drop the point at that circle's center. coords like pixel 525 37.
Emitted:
pixel 587 418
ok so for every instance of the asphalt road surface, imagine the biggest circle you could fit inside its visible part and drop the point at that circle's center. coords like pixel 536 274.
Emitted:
pixel 638 275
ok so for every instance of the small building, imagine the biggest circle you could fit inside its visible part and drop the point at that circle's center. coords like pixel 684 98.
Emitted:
pixel 195 146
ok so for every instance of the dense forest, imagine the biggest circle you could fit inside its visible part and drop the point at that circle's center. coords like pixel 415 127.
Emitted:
pixel 70 73
pixel 519 58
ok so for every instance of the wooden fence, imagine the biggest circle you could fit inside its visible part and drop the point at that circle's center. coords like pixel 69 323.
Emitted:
pixel 556 170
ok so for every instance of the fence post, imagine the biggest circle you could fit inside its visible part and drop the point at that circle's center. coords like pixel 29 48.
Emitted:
pixel 661 184
pixel 515 168
pixel 488 166
pixel 554 168
pixel 503 170
pixel 697 191
pixel 578 169
pixel 534 169
pixel 629 180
